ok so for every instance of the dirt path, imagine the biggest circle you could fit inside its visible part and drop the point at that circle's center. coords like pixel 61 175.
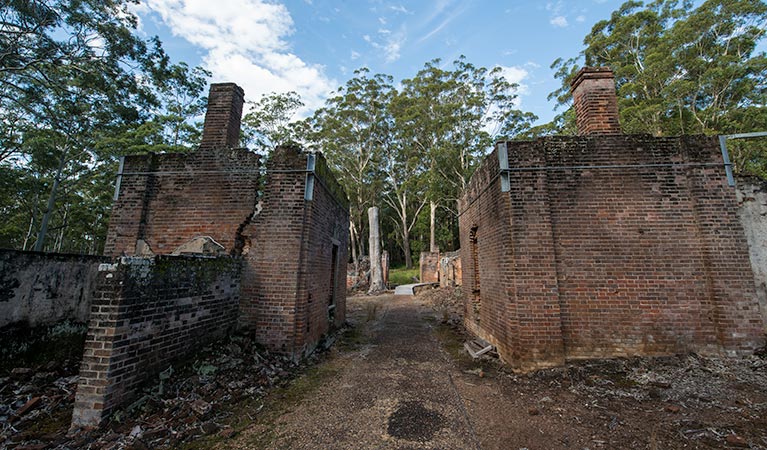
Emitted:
pixel 393 389
pixel 399 380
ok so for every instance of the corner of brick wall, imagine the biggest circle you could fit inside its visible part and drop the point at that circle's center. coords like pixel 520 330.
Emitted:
pixel 146 314
pixel 287 281
pixel 608 262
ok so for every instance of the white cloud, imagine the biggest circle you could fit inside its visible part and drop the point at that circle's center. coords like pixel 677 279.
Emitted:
pixel 400 9
pixel 559 21
pixel 580 18
pixel 516 75
pixel 245 43
pixel 354 55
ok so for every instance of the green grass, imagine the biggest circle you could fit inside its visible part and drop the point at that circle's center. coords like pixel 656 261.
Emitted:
pixel 401 275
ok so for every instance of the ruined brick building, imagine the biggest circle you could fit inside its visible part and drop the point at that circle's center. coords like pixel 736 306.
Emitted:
pixel 204 243
pixel 605 244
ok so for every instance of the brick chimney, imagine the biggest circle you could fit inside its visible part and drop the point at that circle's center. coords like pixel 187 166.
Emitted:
pixel 596 106
pixel 222 120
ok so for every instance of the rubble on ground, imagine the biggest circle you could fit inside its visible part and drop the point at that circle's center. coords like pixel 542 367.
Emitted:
pixel 190 400
pixel 358 280
pixel 447 301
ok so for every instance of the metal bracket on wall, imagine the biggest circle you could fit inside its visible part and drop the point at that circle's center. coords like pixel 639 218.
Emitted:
pixel 726 155
pixel 309 192
pixel 119 179
pixel 503 162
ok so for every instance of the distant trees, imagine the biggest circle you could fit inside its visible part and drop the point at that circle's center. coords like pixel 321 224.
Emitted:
pixel 77 88
pixel 679 69
pixel 416 146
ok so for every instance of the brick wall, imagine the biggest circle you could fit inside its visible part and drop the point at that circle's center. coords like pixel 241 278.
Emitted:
pixel 166 200
pixel 146 314
pixel 45 288
pixel 577 261
pixel 428 264
pixel 169 203
pixel 287 280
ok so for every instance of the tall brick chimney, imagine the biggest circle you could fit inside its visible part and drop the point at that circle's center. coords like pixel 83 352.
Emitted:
pixel 596 106
pixel 222 120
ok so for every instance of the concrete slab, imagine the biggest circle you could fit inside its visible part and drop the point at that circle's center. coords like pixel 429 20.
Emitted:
pixel 412 289
pixel 405 289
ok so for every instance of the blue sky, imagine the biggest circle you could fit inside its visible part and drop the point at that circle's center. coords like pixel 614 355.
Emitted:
pixel 313 46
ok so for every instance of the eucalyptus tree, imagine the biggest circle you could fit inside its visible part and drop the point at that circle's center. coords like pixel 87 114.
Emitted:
pixel 271 121
pixel 74 79
pixel 450 118
pixel 354 130
pixel 680 68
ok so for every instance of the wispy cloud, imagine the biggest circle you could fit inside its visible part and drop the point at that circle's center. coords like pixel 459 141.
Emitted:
pixel 245 42
pixel 400 9
pixel 558 21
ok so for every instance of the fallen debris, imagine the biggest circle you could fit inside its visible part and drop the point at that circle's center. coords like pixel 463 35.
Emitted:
pixel 191 400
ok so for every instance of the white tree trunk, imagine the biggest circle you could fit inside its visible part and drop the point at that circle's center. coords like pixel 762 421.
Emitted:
pixel 432 228
pixel 376 276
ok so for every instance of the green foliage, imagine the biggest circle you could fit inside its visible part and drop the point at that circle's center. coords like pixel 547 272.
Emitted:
pixel 679 69
pixel 77 88
pixel 269 122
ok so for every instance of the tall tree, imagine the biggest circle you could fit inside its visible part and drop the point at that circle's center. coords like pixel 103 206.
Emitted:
pixel 271 122
pixel 73 75
pixel 681 69
pixel 354 130
pixel 451 116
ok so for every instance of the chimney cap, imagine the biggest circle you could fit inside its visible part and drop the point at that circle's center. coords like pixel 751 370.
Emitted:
pixel 590 73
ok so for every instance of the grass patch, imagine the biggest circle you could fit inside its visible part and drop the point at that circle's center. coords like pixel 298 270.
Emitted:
pixel 285 399
pixel 401 275
pixel 351 339
pixel 259 415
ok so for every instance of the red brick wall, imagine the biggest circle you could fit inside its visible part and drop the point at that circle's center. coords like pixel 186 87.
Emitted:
pixel 587 262
pixel 167 200
pixel 287 279
pixel 146 314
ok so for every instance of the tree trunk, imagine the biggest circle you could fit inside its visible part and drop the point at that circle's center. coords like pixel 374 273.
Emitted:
pixel 406 247
pixel 39 245
pixel 376 276
pixel 353 236
pixel 432 225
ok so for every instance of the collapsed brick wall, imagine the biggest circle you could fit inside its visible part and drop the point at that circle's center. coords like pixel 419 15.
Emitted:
pixel 285 300
pixel 45 288
pixel 752 211
pixel 166 200
pixel 578 261
pixel 428 264
pixel 146 314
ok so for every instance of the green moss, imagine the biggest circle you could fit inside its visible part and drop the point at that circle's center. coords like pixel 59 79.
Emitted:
pixel 264 413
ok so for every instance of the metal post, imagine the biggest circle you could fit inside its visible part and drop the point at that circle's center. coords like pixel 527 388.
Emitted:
pixel 726 158
pixel 503 162
pixel 119 178
pixel 309 192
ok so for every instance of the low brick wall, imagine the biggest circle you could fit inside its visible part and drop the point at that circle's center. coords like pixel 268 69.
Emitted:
pixel 147 313
pixel 45 288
